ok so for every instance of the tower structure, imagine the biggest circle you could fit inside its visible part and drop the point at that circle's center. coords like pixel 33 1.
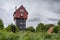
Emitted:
pixel 20 17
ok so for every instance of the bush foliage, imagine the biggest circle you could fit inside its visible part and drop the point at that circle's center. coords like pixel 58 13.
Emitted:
pixel 1 24
pixel 31 29
pixel 28 36
pixel 40 33
pixel 12 28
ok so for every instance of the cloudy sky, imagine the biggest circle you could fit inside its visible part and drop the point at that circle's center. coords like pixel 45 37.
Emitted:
pixel 40 11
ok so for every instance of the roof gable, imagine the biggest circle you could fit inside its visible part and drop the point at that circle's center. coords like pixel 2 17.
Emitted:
pixel 17 13
pixel 21 7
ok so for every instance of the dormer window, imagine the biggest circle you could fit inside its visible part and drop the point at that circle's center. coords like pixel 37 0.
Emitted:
pixel 21 10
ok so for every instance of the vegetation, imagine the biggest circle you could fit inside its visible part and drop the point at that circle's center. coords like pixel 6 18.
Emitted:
pixel 31 29
pixel 11 32
pixel 56 29
pixel 12 28
pixel 58 22
pixel 40 27
pixel 1 24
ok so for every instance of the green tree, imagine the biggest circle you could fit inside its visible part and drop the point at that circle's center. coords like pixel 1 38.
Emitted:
pixel 43 28
pixel 12 28
pixel 56 29
pixel 58 22
pixel 40 27
pixel 31 29
pixel 1 24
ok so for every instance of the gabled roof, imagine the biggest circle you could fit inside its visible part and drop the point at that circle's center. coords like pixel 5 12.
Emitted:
pixel 17 13
pixel 21 7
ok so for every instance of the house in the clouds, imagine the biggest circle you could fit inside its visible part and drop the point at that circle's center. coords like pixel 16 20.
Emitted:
pixel 20 17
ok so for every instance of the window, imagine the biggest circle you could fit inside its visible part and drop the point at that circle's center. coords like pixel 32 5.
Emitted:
pixel 24 23
pixel 20 27
pixel 21 23
pixel 21 14
pixel 21 10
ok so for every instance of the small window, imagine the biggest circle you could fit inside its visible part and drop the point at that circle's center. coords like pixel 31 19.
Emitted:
pixel 21 23
pixel 21 10
pixel 20 27
pixel 24 23
pixel 21 14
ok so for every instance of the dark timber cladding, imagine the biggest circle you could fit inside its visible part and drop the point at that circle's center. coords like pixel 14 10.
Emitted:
pixel 21 23
pixel 20 17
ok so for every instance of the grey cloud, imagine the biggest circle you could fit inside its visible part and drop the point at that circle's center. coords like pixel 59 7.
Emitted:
pixel 56 0
pixel 52 19
pixel 34 20
pixel 54 6
pixel 52 0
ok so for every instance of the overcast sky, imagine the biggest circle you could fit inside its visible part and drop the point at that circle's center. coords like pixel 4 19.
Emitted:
pixel 40 11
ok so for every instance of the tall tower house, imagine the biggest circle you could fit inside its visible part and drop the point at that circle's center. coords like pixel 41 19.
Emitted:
pixel 20 17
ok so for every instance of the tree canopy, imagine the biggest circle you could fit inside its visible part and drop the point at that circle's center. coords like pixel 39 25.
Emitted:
pixel 12 28
pixel 31 29
pixel 58 22
pixel 40 27
pixel 1 24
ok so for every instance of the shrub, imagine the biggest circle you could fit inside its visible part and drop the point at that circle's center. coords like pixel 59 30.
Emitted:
pixel 8 36
pixel 40 27
pixel 31 29
pixel 58 22
pixel 12 28
pixel 1 24
pixel 56 29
